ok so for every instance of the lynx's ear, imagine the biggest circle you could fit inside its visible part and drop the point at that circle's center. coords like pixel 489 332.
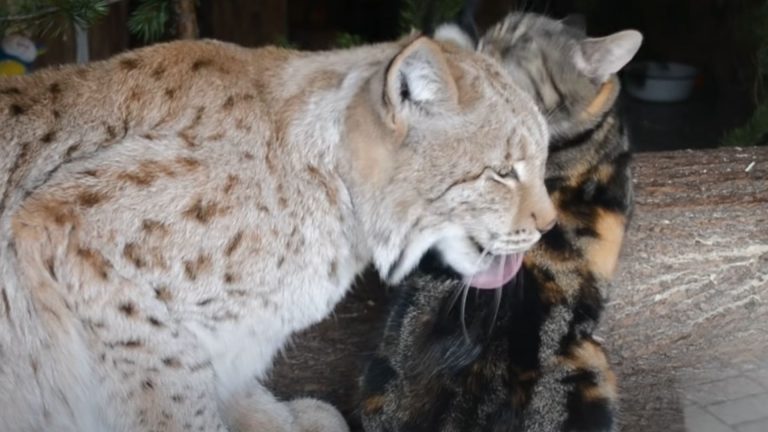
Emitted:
pixel 599 58
pixel 417 83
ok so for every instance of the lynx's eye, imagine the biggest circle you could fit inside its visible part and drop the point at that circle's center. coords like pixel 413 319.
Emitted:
pixel 508 173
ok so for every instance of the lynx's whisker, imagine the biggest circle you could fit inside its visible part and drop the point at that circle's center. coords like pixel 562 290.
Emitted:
pixel 465 292
pixel 462 311
pixel 496 301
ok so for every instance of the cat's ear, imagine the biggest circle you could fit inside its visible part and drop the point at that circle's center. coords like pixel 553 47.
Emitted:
pixel 455 34
pixel 599 58
pixel 577 21
pixel 418 81
pixel 460 31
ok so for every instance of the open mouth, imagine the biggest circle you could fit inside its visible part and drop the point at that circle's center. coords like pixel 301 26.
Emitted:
pixel 501 270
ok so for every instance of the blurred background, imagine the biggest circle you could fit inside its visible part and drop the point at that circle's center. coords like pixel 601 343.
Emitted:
pixel 707 59
pixel 699 81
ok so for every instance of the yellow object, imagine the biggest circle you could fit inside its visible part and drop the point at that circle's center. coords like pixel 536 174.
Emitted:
pixel 11 67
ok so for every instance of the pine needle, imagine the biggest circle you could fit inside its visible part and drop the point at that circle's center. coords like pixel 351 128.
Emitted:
pixel 414 13
pixel 150 19
pixel 50 16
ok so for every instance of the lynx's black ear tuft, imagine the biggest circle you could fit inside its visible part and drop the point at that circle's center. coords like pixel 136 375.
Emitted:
pixel 466 20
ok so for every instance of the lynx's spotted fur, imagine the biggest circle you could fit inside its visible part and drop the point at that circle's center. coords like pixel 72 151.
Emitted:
pixel 170 216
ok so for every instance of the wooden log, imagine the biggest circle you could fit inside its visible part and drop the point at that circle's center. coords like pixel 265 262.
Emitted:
pixel 690 301
pixel 186 19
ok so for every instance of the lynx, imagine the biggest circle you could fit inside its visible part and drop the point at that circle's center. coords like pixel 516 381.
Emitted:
pixel 169 217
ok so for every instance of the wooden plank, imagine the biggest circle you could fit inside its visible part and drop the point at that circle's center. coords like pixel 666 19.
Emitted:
pixel 249 23
pixel 690 299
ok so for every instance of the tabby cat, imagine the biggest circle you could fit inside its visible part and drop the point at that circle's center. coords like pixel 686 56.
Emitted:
pixel 524 357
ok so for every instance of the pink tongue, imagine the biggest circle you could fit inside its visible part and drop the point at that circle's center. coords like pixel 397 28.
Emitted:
pixel 502 270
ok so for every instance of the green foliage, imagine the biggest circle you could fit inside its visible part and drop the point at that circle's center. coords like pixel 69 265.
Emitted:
pixel 149 20
pixel 760 29
pixel 414 12
pixel 348 40
pixel 49 16
pixel 83 12
pixel 754 132
pixel 283 42
pixel 753 30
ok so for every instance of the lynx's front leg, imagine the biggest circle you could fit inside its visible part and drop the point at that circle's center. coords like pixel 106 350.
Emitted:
pixel 150 371
pixel 168 392
pixel 141 369
pixel 153 388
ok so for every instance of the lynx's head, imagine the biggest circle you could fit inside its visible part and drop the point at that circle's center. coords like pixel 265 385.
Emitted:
pixel 445 152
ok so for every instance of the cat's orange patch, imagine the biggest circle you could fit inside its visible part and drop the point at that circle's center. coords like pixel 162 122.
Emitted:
pixel 373 404
pixel 603 252
pixel 605 173
pixel 590 356
pixel 551 292
pixel 606 388
pixel 601 100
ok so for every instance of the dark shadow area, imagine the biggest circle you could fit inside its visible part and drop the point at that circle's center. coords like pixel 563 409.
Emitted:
pixel 713 36
pixel 725 41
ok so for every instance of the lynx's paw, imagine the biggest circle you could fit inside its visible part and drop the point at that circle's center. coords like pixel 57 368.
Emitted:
pixel 258 411
pixel 312 415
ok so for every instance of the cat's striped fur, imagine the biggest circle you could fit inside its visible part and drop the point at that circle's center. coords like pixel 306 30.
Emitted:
pixel 530 362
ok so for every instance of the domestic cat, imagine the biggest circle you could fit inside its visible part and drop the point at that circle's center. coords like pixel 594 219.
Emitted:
pixel 523 357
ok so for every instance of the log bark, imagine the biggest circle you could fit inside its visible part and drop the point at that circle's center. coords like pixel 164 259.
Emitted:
pixel 690 301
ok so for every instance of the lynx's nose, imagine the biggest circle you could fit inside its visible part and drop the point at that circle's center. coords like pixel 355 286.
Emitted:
pixel 551 224
pixel 545 216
